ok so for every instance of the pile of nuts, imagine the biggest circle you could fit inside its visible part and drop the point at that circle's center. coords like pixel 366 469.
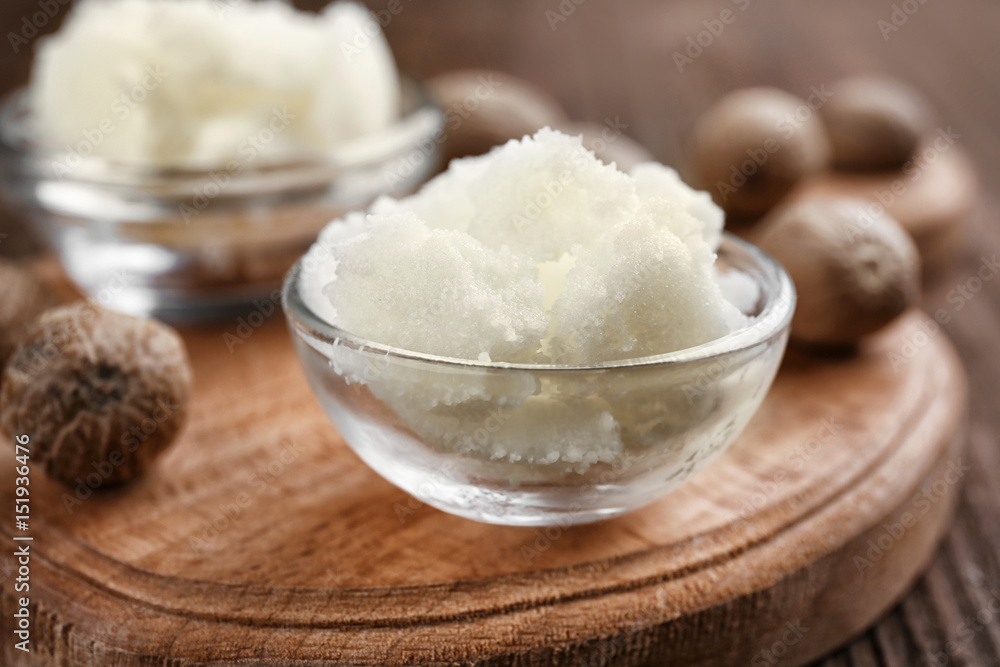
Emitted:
pixel 95 390
pixel 855 269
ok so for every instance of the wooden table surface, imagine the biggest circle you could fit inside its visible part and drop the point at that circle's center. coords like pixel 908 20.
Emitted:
pixel 615 60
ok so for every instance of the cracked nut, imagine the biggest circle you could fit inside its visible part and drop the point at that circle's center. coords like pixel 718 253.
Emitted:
pixel 96 391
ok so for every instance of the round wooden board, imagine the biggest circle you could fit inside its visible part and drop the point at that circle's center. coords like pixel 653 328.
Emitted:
pixel 261 539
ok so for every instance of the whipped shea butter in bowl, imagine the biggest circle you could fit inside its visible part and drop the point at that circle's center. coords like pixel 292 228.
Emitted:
pixel 179 155
pixel 537 337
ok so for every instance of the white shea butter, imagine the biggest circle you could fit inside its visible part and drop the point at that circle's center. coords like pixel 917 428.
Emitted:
pixel 539 253
pixel 199 83
pixel 536 252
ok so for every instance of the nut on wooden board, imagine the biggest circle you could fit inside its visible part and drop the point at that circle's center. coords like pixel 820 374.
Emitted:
pixel 854 270
pixel 750 149
pixel 97 391
pixel 875 122
pixel 486 108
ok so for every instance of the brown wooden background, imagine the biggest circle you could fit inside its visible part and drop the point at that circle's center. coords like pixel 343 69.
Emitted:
pixel 614 59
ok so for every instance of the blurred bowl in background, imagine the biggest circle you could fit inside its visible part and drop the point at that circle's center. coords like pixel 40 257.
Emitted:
pixel 193 245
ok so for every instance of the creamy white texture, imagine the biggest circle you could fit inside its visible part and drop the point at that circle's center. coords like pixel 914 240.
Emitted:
pixel 199 83
pixel 537 252
pixel 540 253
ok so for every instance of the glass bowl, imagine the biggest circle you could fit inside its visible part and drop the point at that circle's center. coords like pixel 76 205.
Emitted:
pixel 188 245
pixel 537 445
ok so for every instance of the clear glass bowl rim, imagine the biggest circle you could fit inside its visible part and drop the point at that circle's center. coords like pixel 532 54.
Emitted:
pixel 423 119
pixel 775 317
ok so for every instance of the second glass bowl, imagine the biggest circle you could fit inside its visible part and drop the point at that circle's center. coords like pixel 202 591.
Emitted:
pixel 187 245
pixel 536 445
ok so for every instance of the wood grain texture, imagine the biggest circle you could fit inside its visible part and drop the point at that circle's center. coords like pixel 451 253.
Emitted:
pixel 260 536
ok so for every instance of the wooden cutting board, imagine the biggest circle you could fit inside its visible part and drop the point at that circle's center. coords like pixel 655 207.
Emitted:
pixel 261 539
